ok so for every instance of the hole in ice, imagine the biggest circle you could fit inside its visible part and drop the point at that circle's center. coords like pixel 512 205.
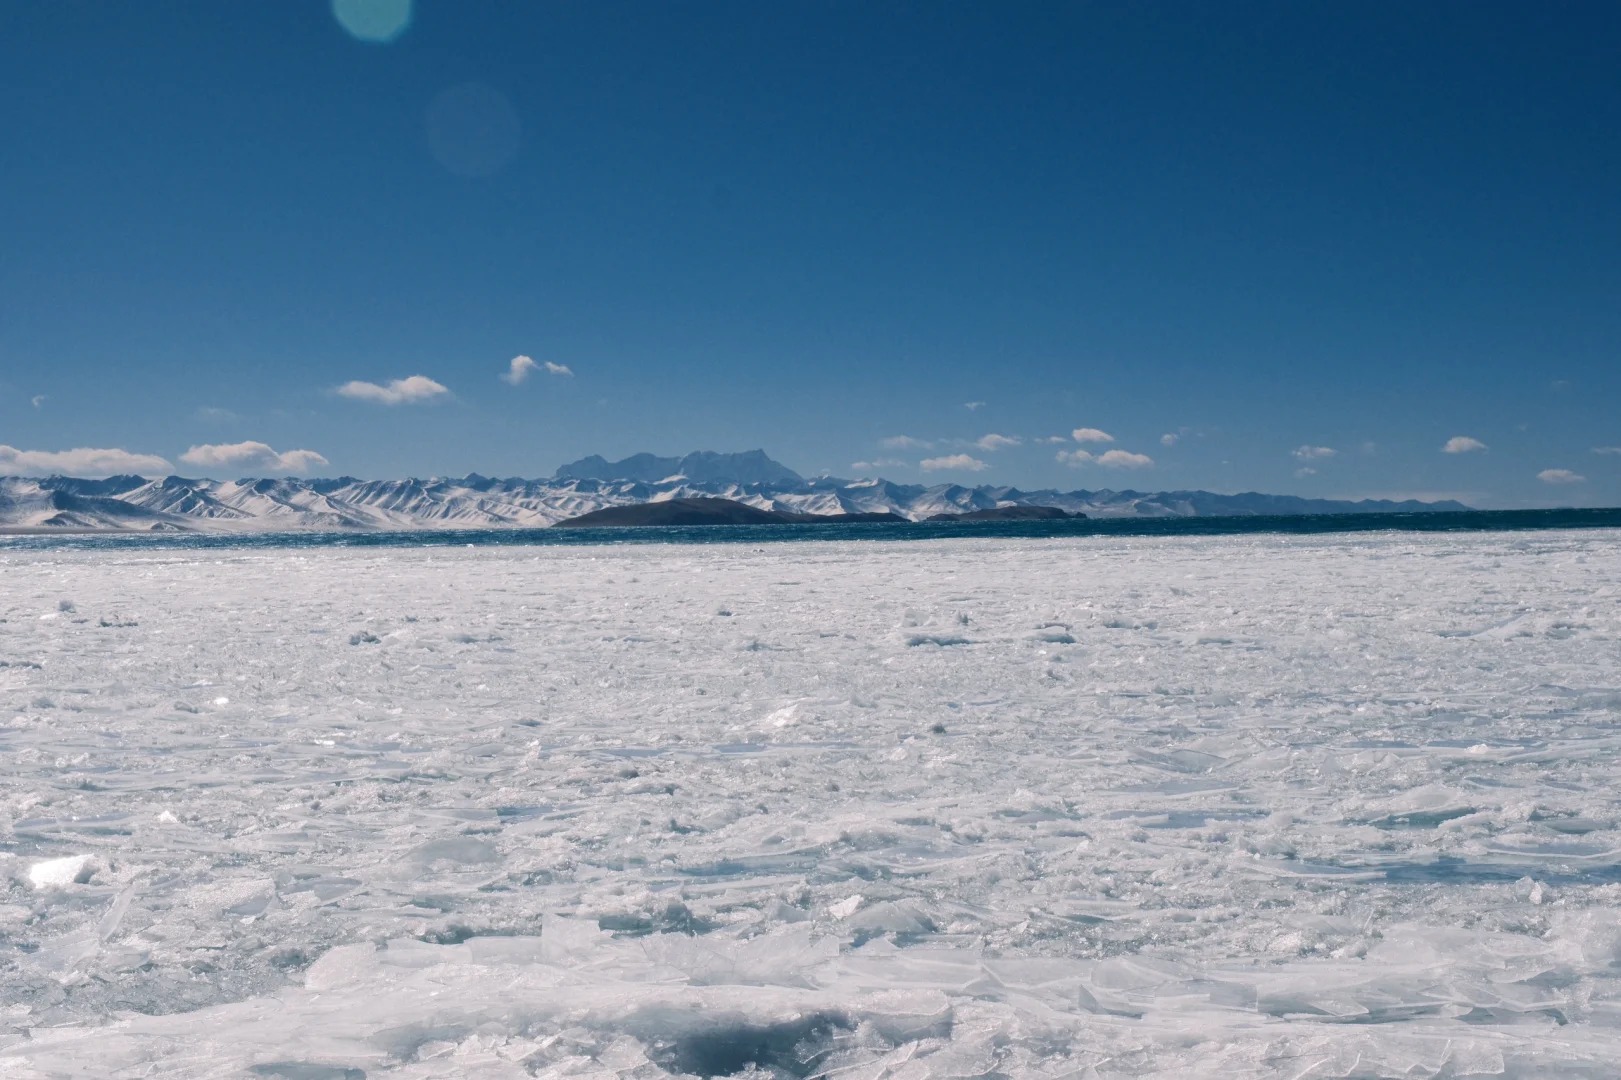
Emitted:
pixel 1449 870
pixel 303 1070
pixel 1421 819
pixel 521 813
pixel 730 1046
pixel 676 918
pixel 914 640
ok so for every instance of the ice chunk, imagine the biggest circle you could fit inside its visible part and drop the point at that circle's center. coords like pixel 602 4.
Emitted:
pixel 60 873
pixel 846 907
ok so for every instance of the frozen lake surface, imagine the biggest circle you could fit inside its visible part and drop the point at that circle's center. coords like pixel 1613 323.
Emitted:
pixel 1243 806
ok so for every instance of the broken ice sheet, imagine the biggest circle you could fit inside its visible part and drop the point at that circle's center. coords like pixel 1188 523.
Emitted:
pixel 1280 820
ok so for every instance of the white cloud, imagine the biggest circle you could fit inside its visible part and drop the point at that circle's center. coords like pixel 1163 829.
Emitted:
pixel 80 461
pixel 1109 459
pixel 973 406
pixel 1305 471
pixel 519 370
pixel 953 461
pixel 1054 440
pixel 1462 444
pixel 1090 434
pixel 1607 449
pixel 521 367
pixel 994 441
pixel 1314 453
pixel 905 442
pixel 396 392
pixel 1168 439
pixel 1125 459
pixel 253 455
pixel 881 463
pixel 1560 476
pixel 37 401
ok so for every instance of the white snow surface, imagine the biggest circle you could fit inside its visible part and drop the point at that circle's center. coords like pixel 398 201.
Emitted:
pixel 1256 806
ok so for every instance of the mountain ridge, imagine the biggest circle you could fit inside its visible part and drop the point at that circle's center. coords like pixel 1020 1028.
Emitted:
pixel 172 502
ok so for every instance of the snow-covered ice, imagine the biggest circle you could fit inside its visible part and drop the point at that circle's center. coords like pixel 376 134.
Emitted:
pixel 1257 806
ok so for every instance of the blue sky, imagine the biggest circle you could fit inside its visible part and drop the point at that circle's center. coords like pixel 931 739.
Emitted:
pixel 1231 237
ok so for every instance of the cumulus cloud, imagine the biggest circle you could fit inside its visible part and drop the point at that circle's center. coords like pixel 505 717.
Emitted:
pixel 1462 444
pixel 252 455
pixel 80 461
pixel 1109 459
pixel 1314 453
pixel 973 406
pixel 1169 439
pixel 905 442
pixel 953 461
pixel 1090 434
pixel 1560 476
pixel 994 441
pixel 395 392
pixel 37 401
pixel 522 366
pixel 1124 459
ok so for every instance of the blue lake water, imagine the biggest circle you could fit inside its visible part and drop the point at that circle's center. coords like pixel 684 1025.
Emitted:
pixel 1312 524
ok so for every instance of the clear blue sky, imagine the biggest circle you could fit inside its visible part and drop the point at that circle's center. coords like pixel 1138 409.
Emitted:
pixel 812 227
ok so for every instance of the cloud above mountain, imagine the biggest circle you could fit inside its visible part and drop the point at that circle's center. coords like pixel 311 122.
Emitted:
pixel 953 461
pixel 81 461
pixel 405 391
pixel 253 455
pixel 881 463
pixel 1109 459
pixel 521 367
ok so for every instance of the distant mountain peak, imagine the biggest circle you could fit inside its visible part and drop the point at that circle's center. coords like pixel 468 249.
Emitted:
pixel 698 467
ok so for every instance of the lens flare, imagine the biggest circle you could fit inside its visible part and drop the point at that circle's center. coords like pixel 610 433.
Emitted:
pixel 379 21
pixel 473 130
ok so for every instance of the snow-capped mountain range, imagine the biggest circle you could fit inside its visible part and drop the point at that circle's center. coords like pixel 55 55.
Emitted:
pixel 473 501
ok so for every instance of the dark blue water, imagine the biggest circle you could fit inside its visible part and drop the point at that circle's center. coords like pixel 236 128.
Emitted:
pixel 1302 525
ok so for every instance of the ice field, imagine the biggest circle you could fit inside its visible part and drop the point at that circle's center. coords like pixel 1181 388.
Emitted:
pixel 1257 806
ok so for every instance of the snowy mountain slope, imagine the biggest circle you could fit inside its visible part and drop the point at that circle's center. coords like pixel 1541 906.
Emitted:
pixel 477 502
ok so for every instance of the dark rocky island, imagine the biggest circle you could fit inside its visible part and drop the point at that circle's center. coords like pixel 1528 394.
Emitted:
pixel 706 512
pixel 1010 513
